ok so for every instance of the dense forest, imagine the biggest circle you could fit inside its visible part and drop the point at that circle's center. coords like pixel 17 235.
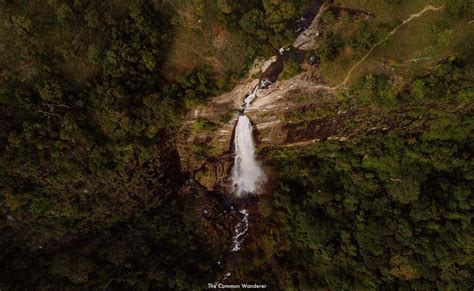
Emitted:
pixel 89 167
pixel 390 209
pixel 93 194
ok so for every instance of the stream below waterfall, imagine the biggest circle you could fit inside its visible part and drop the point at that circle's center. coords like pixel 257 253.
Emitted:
pixel 247 175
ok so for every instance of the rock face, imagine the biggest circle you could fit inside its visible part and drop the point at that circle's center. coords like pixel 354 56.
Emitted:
pixel 216 213
pixel 307 39
pixel 268 114
pixel 208 154
pixel 211 167
pixel 214 172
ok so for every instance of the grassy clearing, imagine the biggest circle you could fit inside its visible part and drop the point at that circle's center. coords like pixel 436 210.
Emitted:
pixel 411 51
pixel 389 12
pixel 201 42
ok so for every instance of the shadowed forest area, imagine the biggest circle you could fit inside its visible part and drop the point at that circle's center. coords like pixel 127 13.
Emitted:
pixel 93 194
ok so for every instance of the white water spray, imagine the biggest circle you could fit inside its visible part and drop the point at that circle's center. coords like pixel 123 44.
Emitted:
pixel 249 98
pixel 246 173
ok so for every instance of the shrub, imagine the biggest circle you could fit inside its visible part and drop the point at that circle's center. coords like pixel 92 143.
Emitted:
pixel 418 89
pixel 227 6
pixel 290 69
pixel 363 39
pixel 251 22
pixel 64 14
pixel 457 8
pixel 202 125
pixel 330 46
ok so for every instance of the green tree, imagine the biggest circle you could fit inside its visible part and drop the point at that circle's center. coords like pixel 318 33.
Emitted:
pixel 64 14
pixel 278 13
pixel 92 18
pixel 458 8
pixel 330 46
pixel 252 21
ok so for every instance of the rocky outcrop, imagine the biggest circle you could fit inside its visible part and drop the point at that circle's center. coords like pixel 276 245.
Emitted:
pixel 268 114
pixel 214 172
pixel 215 211
pixel 206 154
pixel 307 39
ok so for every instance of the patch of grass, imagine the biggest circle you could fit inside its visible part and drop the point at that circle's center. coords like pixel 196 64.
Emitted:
pixel 290 69
pixel 201 42
pixel 417 47
pixel 225 118
pixel 203 125
pixel 411 51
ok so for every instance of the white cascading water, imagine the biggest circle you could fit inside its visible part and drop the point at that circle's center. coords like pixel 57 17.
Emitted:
pixel 246 173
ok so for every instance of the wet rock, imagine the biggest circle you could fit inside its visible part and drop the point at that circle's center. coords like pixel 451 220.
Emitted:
pixel 313 60
pixel 227 202
pixel 307 39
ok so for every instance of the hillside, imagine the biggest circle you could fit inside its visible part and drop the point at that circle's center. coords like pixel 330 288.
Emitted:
pixel 123 152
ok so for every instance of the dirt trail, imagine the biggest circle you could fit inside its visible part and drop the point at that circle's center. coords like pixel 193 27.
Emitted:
pixel 413 16
pixel 266 99
pixel 274 99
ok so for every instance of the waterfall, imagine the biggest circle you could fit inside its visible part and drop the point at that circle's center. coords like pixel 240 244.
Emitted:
pixel 246 173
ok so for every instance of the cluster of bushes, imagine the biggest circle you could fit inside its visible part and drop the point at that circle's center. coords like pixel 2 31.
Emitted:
pixel 388 209
pixel 269 21
pixel 448 80
pixel 459 8
pixel 334 40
